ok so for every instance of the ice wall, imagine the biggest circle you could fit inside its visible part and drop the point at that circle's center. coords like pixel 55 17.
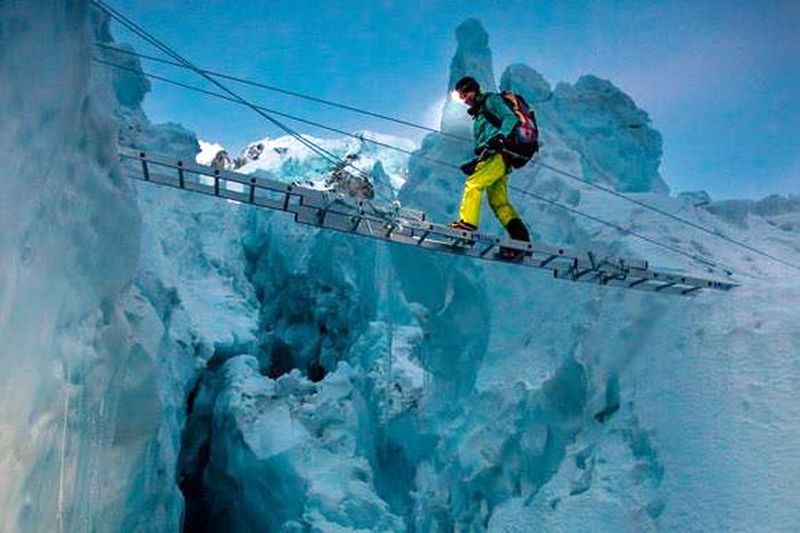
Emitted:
pixel 596 409
pixel 613 136
pixel 470 396
pixel 222 280
pixel 68 249
pixel 344 385
pixel 207 366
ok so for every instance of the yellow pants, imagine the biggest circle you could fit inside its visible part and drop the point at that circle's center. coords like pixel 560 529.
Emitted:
pixel 490 175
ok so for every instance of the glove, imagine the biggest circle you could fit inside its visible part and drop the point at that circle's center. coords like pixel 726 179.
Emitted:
pixel 498 142
pixel 468 168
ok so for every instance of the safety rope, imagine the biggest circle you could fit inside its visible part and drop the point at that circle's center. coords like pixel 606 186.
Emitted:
pixel 273 88
pixel 715 233
pixel 525 192
pixel 562 172
pixel 146 36
pixel 272 111
pixel 210 76
pixel 624 230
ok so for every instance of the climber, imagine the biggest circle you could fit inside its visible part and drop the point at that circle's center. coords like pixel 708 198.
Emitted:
pixel 489 171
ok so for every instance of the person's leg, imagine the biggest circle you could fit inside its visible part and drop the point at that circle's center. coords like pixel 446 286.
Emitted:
pixel 508 217
pixel 486 173
pixel 497 194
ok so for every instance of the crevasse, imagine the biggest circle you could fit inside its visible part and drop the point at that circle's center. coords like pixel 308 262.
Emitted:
pixel 177 362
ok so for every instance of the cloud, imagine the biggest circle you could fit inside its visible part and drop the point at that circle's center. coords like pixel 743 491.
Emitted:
pixel 208 151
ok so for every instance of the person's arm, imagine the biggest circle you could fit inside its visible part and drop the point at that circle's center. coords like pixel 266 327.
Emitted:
pixel 497 106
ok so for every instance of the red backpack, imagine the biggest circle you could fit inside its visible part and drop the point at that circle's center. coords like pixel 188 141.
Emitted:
pixel 523 142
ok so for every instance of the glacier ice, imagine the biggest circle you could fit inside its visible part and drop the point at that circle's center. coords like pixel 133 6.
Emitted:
pixel 172 361
pixel 289 160
pixel 523 80
pixel 778 210
pixel 612 135
pixel 71 358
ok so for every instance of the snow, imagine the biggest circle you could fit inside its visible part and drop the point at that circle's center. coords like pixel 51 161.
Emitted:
pixel 208 151
pixel 288 159
pixel 175 361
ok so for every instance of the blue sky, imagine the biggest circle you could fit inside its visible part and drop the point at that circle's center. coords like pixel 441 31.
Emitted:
pixel 720 79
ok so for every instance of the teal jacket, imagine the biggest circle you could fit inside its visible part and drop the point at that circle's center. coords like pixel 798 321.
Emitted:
pixel 482 129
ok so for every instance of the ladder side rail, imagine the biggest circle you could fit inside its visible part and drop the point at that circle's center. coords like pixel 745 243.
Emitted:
pixel 689 282
pixel 605 271
pixel 226 175
pixel 345 214
pixel 618 277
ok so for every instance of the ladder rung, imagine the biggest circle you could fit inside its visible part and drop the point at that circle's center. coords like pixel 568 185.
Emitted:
pixel 362 217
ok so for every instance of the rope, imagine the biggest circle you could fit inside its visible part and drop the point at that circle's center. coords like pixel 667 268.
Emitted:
pixel 184 63
pixel 273 88
pixel 136 29
pixel 319 125
pixel 622 230
pixel 437 161
pixel 672 216
pixel 557 170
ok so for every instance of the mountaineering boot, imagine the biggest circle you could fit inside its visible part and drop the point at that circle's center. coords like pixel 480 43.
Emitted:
pixel 517 231
pixel 461 225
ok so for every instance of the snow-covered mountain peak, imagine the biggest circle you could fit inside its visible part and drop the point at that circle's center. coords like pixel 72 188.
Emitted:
pixel 288 159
